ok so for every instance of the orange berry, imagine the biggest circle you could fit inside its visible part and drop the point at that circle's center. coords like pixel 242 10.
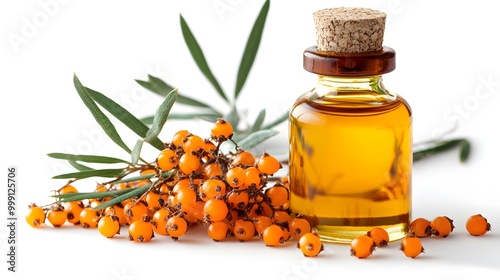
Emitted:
pixel 421 227
pixel 237 200
pixel 442 226
pixel 141 230
pixel 218 231
pixel 167 160
pixel 116 211
pixel 244 158
pixel 310 244
pixel 212 170
pixel 477 225
pixel 268 164
pixel 221 130
pixel 188 163
pixel 236 177
pixel 261 223
pixel 67 189
pixel 73 210
pixel 212 188
pixel 186 197
pixel 193 143
pixel 215 210
pixel 35 216
pixel 277 194
pixel 379 236
pixel 273 236
pixel 244 229
pixel 298 227
pixel 253 177
pixel 176 227
pixel 89 218
pixel 411 246
pixel 135 210
pixel 362 246
pixel 56 215
pixel 109 226
pixel 178 137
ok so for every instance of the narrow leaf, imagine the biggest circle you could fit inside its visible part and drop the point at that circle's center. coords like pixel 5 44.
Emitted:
pixel 91 173
pixel 118 199
pixel 161 116
pixel 258 122
pixel 136 152
pixel 464 150
pixel 437 147
pixel 78 166
pixel 199 57
pixel 276 122
pixel 124 116
pixel 256 138
pixel 99 116
pixel 251 49
pixel 87 158
pixel 90 195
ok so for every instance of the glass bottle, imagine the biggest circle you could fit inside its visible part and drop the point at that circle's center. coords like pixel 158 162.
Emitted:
pixel 351 139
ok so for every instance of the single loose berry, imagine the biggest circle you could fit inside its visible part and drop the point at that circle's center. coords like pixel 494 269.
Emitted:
pixel 379 236
pixel 362 246
pixel 477 225
pixel 273 236
pixel 442 226
pixel 421 227
pixel 411 246
pixel 35 216
pixel 310 244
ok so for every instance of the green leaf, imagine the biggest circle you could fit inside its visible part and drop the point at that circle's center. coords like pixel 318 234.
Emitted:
pixel 99 116
pixel 199 57
pixel 78 166
pixel 118 199
pixel 276 122
pixel 124 116
pixel 251 48
pixel 136 152
pixel 161 116
pixel 256 138
pixel 258 122
pixel 464 150
pixel 87 158
pixel 91 173
pixel 67 197
pixel 444 146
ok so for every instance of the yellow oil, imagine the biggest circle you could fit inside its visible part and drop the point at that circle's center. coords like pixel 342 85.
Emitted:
pixel 350 163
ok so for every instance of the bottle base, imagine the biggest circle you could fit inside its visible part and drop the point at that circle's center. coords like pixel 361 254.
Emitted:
pixel 345 234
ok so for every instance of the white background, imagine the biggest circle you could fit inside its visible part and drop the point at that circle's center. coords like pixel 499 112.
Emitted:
pixel 447 68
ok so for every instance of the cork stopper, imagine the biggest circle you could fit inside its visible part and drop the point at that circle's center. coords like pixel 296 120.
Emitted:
pixel 349 30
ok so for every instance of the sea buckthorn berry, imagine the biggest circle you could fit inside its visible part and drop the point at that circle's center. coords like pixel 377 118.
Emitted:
pixel 35 216
pixel 167 160
pixel 235 177
pixel 212 188
pixel 159 221
pixel 89 218
pixel 379 236
pixel 281 218
pixel 442 226
pixel 238 200
pixel 421 227
pixel 253 177
pixel 362 246
pixel 178 137
pixel 212 170
pixel 193 143
pixel 244 229
pixel 135 210
pixel 73 210
pixel 298 227
pixel 221 130
pixel 273 236
pixel 244 158
pixel 153 200
pixel 215 210
pixel 118 213
pixel 218 231
pixel 477 225
pixel 109 226
pixel 176 227
pixel 67 189
pixel 141 230
pixel 209 148
pixel 56 215
pixel 186 197
pixel 268 164
pixel 261 223
pixel 411 246
pixel 188 163
pixel 277 194
pixel 310 244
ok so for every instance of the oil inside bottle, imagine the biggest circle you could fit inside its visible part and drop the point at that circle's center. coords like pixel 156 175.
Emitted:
pixel 351 159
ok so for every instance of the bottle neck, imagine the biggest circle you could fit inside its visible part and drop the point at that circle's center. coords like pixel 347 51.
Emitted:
pixel 369 89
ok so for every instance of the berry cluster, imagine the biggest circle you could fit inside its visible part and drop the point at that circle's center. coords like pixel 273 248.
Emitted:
pixel 193 182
